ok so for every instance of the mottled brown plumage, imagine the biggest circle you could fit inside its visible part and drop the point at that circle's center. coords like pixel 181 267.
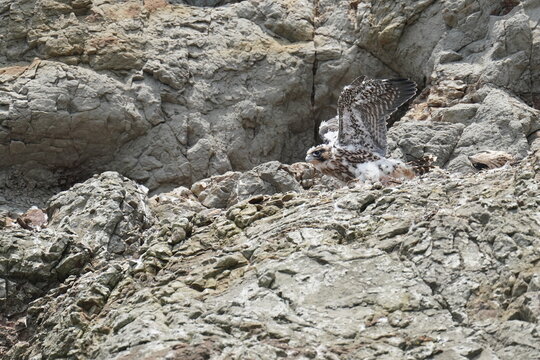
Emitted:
pixel 490 159
pixel 356 139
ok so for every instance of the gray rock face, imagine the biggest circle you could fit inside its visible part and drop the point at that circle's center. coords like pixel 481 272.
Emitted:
pixel 164 94
pixel 439 267
pixel 30 262
pixel 231 188
pixel 89 225
pixel 65 116
pixel 108 212
pixel 251 258
pixel 99 219
pixel 168 94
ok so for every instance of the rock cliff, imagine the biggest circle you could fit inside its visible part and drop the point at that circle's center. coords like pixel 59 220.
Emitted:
pixel 168 94
pixel 440 267
pixel 156 135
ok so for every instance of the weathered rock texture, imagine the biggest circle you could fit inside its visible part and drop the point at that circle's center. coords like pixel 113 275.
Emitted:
pixel 168 94
pixel 440 267
pixel 247 263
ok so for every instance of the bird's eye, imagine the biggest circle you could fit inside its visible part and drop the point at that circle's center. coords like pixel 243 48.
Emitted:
pixel 479 166
pixel 317 153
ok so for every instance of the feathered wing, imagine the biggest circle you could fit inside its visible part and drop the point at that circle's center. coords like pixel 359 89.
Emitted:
pixel 363 108
pixel 328 130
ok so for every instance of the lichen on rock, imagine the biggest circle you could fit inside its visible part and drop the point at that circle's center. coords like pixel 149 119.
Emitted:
pixel 156 137
pixel 427 268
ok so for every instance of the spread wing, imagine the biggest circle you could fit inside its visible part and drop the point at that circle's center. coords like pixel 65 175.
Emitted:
pixel 363 108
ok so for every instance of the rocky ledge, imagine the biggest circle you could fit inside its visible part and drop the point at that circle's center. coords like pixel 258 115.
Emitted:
pixel 445 266
pixel 259 259
pixel 168 94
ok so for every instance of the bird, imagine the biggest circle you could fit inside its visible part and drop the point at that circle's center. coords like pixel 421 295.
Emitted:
pixel 355 144
pixel 491 159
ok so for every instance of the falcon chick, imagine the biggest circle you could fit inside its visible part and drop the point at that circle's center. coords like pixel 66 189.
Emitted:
pixel 355 140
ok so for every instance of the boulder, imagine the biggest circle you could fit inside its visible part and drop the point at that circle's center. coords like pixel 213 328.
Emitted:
pixel 107 212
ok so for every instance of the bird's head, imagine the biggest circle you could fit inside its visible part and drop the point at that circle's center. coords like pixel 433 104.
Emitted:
pixel 318 154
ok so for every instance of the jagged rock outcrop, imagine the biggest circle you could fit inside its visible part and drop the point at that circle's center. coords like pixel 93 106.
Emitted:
pixel 168 94
pixel 106 213
pixel 102 217
pixel 193 91
pixel 439 267
pixel 266 179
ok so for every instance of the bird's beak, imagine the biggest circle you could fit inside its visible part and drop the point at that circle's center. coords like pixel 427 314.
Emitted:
pixel 309 158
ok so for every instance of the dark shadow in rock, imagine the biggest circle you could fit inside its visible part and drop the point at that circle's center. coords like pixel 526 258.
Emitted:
pixel 505 7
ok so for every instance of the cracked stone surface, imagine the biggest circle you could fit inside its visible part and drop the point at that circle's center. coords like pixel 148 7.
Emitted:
pixel 439 267
pixel 171 93
pixel 187 235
